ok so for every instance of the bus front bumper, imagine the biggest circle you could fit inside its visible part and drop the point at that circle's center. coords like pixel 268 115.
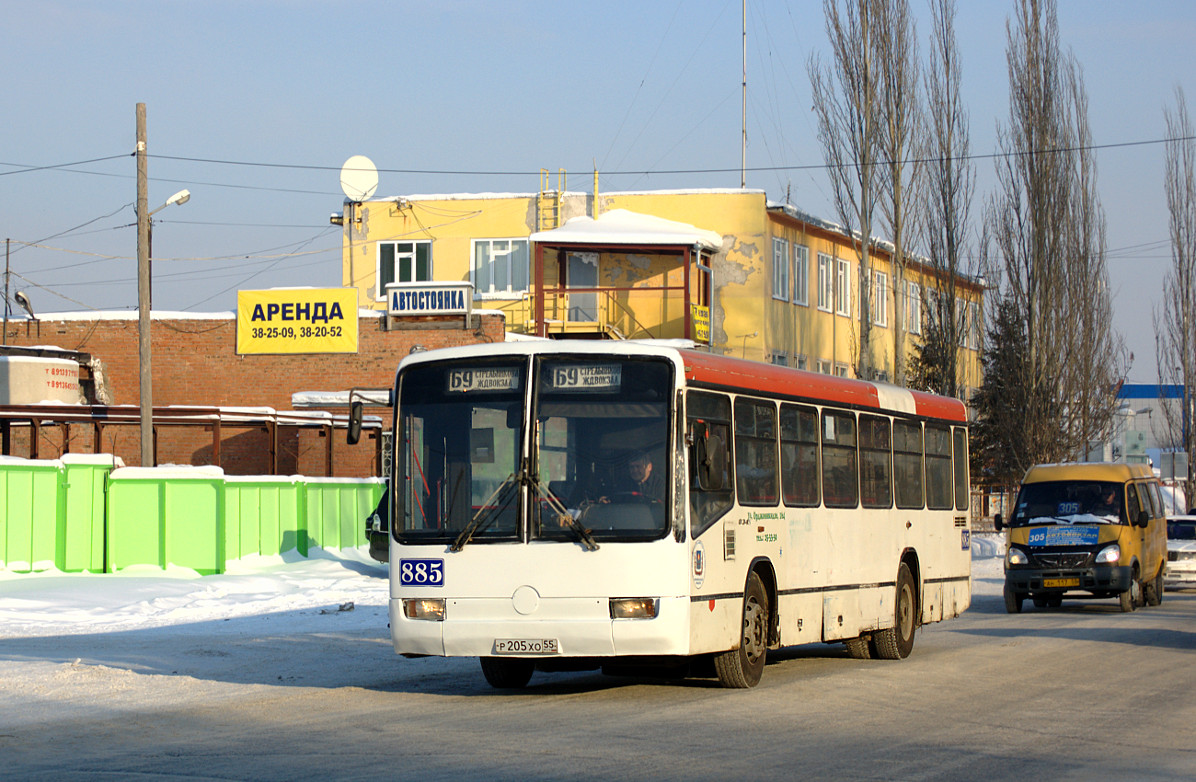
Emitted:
pixel 1098 579
pixel 580 627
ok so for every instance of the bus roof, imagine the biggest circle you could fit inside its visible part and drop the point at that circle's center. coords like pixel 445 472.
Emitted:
pixel 706 370
pixel 735 374
pixel 1087 471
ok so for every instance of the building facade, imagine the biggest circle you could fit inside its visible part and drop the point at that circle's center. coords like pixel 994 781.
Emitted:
pixel 724 268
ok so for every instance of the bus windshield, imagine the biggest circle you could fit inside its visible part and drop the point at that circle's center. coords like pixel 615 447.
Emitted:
pixel 597 468
pixel 602 428
pixel 1069 502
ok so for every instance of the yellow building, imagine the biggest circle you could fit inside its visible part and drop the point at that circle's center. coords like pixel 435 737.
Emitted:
pixel 724 268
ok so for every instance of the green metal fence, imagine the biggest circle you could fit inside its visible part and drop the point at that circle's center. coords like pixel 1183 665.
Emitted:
pixel 86 513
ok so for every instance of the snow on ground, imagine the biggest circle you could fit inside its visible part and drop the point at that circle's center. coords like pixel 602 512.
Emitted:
pixel 52 603
pixel 74 645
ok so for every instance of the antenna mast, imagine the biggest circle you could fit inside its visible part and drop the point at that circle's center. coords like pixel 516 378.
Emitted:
pixel 743 149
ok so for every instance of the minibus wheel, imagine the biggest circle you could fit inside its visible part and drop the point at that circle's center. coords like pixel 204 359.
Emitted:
pixel 1013 601
pixel 1154 589
pixel 743 666
pixel 1131 598
pixel 507 673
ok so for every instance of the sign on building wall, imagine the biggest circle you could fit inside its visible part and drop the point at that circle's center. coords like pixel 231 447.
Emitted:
pixel 409 299
pixel 297 320
pixel 700 317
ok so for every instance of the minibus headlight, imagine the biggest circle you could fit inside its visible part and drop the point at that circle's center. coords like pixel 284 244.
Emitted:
pixel 1109 555
pixel 1015 556
pixel 633 607
pixel 429 608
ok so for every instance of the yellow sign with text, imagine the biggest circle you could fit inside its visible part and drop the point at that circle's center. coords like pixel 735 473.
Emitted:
pixel 297 320
pixel 700 317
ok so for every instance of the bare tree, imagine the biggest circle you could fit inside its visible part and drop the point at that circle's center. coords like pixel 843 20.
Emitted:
pixel 846 102
pixel 1175 324
pixel 949 188
pixel 901 142
pixel 1047 230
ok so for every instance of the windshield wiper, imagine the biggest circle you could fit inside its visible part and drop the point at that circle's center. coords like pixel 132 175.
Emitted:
pixel 563 515
pixel 485 514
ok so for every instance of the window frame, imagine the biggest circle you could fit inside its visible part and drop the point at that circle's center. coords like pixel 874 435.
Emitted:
pixel 843 287
pixel 412 254
pixel 781 268
pixel 880 298
pixel 826 283
pixel 800 285
pixel 493 292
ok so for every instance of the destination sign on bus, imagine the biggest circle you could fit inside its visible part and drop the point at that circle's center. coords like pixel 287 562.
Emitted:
pixel 587 377
pixel 467 380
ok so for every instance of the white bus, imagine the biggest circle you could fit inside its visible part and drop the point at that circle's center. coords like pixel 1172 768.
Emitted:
pixel 574 505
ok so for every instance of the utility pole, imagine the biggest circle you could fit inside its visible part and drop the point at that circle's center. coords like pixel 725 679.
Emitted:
pixel 743 138
pixel 145 385
pixel 6 277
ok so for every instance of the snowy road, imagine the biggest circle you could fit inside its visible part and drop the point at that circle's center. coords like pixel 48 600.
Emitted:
pixel 285 671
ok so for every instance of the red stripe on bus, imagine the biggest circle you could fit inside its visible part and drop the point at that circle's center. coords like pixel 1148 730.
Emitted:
pixel 773 380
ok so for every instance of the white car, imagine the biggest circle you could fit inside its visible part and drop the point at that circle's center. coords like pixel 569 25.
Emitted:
pixel 1181 553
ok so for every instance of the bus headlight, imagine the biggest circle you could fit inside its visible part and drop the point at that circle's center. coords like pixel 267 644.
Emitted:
pixel 1015 556
pixel 429 608
pixel 1109 555
pixel 634 607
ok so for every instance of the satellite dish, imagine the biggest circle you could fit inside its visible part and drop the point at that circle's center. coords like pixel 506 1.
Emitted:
pixel 359 178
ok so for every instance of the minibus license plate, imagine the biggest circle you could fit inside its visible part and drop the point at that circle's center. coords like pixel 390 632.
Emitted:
pixel 526 646
pixel 1061 582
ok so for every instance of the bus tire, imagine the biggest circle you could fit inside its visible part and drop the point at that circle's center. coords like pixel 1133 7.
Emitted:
pixel 507 673
pixel 1013 601
pixel 896 642
pixel 742 666
pixel 859 648
pixel 1132 596
pixel 1154 589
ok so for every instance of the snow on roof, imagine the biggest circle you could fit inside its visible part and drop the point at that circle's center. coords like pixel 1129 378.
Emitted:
pixel 620 226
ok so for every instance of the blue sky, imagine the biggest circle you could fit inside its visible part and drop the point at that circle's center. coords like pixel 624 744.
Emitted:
pixel 483 94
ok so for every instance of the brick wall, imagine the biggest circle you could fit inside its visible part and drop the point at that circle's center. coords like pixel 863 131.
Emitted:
pixel 195 363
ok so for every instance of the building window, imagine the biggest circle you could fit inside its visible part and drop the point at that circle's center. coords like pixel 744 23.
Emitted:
pixel 780 269
pixel 500 267
pixel 800 362
pixel 913 308
pixel 780 359
pixel 843 288
pixel 403 262
pixel 961 322
pixel 826 283
pixel 880 298
pixel 977 324
pixel 823 366
pixel 841 370
pixel 801 275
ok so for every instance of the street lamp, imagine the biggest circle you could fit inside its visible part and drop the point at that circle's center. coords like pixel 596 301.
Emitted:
pixel 145 382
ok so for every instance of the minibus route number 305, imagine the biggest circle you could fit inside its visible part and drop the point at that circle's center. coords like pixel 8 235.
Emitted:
pixel 629 507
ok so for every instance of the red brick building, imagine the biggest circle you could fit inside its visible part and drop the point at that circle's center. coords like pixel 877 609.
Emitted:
pixel 195 363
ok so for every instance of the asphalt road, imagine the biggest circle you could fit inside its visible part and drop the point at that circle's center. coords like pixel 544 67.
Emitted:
pixel 1079 692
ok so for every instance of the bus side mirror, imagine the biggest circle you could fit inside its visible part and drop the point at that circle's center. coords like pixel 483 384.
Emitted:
pixel 355 415
pixel 711 469
pixel 1143 518
pixel 997 522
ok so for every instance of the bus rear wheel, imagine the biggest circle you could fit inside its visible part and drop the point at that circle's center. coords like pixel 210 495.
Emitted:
pixel 742 667
pixel 896 642
pixel 1154 589
pixel 507 673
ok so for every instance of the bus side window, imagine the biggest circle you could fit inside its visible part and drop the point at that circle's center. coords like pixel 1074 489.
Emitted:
pixel 755 452
pixel 840 466
pixel 799 455
pixel 709 436
pixel 963 495
pixel 876 467
pixel 938 468
pixel 907 464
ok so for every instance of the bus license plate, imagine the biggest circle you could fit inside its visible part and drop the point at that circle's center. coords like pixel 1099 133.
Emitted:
pixel 1061 582
pixel 526 646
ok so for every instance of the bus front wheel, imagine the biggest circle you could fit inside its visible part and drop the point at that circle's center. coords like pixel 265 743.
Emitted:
pixel 743 666
pixel 507 673
pixel 896 642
